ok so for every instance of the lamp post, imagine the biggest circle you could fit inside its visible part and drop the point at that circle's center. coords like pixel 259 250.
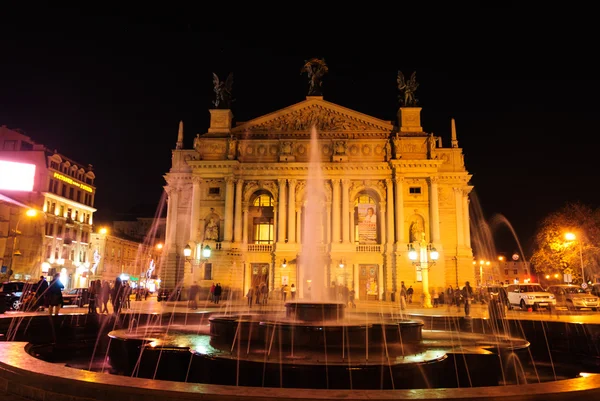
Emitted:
pixel 13 251
pixel 187 252
pixel 428 255
pixel 573 237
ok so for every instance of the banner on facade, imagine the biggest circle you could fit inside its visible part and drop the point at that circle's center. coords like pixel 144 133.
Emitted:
pixel 367 223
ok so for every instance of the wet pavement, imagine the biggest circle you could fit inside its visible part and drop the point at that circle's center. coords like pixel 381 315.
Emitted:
pixel 151 305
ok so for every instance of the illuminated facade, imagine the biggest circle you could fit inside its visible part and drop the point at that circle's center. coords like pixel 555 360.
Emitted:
pixel 113 256
pixel 241 190
pixel 63 193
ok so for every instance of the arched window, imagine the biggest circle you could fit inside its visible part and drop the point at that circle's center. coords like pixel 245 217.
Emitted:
pixel 365 220
pixel 261 217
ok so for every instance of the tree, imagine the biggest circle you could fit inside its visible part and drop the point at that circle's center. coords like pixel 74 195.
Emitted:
pixel 553 253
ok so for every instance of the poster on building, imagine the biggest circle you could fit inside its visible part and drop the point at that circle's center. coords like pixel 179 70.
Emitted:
pixel 367 223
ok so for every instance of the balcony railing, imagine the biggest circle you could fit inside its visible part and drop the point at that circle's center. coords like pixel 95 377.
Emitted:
pixel 260 247
pixel 369 248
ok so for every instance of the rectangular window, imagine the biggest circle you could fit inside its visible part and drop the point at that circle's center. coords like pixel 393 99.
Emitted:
pixel 48 251
pixel 63 192
pixel 71 193
pixel 214 191
pixel 208 271
pixel 78 196
pixel 62 211
pixel 263 230
pixel 506 272
pixel 414 190
pixel 516 271
pixel 69 213
pixel 59 233
pixel 10 145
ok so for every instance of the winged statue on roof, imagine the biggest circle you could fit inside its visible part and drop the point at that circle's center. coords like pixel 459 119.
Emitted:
pixel 223 91
pixel 407 89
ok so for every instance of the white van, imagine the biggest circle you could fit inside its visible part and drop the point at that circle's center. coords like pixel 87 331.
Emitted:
pixel 529 295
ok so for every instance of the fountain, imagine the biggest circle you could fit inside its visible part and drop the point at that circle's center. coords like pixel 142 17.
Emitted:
pixel 315 346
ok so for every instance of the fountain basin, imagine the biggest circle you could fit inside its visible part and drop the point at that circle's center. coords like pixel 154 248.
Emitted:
pixel 315 311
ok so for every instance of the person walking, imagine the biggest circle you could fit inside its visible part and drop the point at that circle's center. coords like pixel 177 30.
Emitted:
pixel 192 294
pixel 218 291
pixel 436 298
pixel 293 292
pixel 409 294
pixel 55 298
pixel 92 298
pixel 117 295
pixel 41 294
pixel 351 295
pixel 249 295
pixel 403 295
pixel 105 297
pixel 468 297
pixel 212 292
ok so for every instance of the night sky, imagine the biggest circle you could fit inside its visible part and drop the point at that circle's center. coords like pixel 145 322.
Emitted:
pixel 113 98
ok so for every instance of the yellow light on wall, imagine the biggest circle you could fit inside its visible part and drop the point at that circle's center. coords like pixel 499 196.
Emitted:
pixel 31 212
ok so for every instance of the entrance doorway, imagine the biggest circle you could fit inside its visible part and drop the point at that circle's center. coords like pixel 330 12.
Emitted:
pixel 260 274
pixel 367 282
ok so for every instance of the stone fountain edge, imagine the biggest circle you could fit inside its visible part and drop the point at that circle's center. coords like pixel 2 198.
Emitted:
pixel 24 375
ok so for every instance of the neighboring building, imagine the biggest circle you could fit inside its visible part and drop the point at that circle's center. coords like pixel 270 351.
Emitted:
pixel 242 191
pixel 113 256
pixel 63 193
pixel 514 270
pixel 147 230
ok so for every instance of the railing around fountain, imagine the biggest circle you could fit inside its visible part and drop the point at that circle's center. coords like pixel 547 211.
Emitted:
pixel 369 248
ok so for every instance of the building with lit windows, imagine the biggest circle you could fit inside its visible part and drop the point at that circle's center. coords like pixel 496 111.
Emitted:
pixel 63 193
pixel 113 256
pixel 389 187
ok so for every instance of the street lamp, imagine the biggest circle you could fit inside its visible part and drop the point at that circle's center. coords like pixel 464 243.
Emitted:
pixel 573 237
pixel 428 255
pixel 187 252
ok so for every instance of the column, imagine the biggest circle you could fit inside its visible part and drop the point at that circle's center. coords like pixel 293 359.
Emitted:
pixel 195 217
pixel 173 202
pixel 390 211
pixel 281 215
pixel 238 218
pixel 382 222
pixel 328 207
pixel 335 210
pixel 466 217
pixel 299 226
pixel 434 208
pixel 460 232
pixel 229 195
pixel 245 224
pixel 399 210
pixel 292 211
pixel 345 211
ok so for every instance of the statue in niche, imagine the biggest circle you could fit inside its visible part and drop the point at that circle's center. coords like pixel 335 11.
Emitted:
pixel 416 231
pixel 388 151
pixel 211 231
pixel 286 148
pixel 197 142
pixel 316 69
pixel 407 89
pixel 223 91
pixel 340 147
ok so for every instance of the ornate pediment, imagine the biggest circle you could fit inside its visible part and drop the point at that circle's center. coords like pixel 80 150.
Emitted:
pixel 325 116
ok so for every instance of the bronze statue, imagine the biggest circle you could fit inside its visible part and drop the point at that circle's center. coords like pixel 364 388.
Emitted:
pixel 223 91
pixel 407 89
pixel 316 69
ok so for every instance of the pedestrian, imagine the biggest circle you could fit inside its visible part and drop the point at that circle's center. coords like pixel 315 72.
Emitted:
pixel 192 294
pixel 117 295
pixel 403 295
pixel 249 296
pixel 351 295
pixel 409 294
pixel 293 292
pixel 41 294
pixel 92 298
pixel 212 292
pixel 105 297
pixel 468 297
pixel 217 292
pixel 55 298
pixel 436 298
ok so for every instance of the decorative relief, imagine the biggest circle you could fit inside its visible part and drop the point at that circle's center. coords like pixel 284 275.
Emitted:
pixel 366 150
pixel 353 150
pixel 326 150
pixel 262 150
pixel 301 149
pixel 315 115
pixel 444 196
pixel 378 150
pixel 340 147
pixel 300 189
pixel 249 150
pixel 286 148
pixel 249 188
pixel 273 150
pixel 271 187
pixel 445 158
pixel 409 148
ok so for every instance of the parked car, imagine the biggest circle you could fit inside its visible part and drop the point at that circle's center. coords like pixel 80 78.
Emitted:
pixel 574 297
pixel 529 295
pixel 595 289
pixel 11 293
pixel 76 296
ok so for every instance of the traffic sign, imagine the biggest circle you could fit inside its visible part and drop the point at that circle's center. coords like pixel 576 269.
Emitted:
pixel 584 285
